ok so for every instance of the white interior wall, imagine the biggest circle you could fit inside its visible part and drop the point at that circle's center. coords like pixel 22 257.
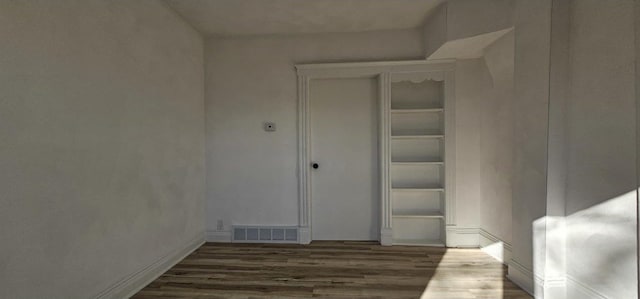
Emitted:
pixel 461 21
pixel 464 30
pixel 531 93
pixel 466 18
pixel 251 174
pixel 435 30
pixel 553 277
pixel 590 227
pixel 473 82
pixel 637 95
pixel 102 152
pixel 601 173
pixel 497 141
pixel 485 140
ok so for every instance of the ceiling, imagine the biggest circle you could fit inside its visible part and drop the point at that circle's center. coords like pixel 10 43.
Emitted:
pixel 255 17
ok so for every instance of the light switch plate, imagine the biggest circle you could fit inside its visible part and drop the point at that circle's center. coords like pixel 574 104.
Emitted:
pixel 270 126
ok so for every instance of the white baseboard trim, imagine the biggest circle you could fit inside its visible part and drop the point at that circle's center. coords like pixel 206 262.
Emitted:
pixel 577 289
pixel 521 275
pixel 463 237
pixel 304 235
pixel 386 237
pixel 494 246
pixel 471 237
pixel 219 236
pixel 555 287
pixel 501 251
pixel 133 283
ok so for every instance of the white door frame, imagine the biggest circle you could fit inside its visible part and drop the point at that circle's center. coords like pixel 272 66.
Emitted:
pixel 382 71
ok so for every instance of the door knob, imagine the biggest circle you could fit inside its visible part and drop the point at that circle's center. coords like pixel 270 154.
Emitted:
pixel 315 165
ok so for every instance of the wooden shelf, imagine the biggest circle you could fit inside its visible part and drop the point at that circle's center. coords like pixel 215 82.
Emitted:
pixel 417 189
pixel 435 160
pixel 418 242
pixel 422 215
pixel 414 186
pixel 398 137
pixel 418 163
pixel 428 110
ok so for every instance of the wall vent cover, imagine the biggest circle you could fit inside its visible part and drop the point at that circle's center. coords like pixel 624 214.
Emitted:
pixel 264 234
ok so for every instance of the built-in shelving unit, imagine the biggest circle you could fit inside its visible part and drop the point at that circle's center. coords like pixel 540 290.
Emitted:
pixel 417 171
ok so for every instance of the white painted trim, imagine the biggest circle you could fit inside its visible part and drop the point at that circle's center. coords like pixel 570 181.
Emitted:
pixel 550 287
pixel 304 235
pixel 386 237
pixel 134 282
pixel 554 288
pixel 471 237
pixel 450 148
pixel 218 236
pixel 494 246
pixel 384 137
pixel 585 291
pixel 371 69
pixel 463 237
pixel 366 64
pixel 521 276
pixel 304 152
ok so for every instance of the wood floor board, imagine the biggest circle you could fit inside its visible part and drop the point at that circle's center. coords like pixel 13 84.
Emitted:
pixel 333 269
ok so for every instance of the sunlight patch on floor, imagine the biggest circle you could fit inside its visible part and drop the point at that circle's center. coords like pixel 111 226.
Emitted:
pixel 468 283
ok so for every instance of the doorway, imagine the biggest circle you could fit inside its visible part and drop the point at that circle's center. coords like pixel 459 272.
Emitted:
pixel 344 159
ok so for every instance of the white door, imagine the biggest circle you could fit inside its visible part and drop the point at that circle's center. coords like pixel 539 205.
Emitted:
pixel 344 144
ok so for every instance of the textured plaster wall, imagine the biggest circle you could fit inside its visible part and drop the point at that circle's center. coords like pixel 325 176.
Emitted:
pixel 473 82
pixel 601 174
pixel 497 143
pixel 485 139
pixel 461 19
pixel 102 143
pixel 484 106
pixel 251 174
pixel 530 114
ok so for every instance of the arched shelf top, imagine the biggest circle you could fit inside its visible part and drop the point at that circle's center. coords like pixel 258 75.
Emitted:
pixel 417 77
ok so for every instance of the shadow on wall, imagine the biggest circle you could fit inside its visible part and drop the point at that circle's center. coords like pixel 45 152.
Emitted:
pixel 591 252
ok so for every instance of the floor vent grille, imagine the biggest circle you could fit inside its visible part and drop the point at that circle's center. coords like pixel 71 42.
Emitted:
pixel 265 234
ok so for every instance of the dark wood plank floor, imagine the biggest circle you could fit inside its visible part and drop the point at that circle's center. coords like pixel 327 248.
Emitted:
pixel 333 270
